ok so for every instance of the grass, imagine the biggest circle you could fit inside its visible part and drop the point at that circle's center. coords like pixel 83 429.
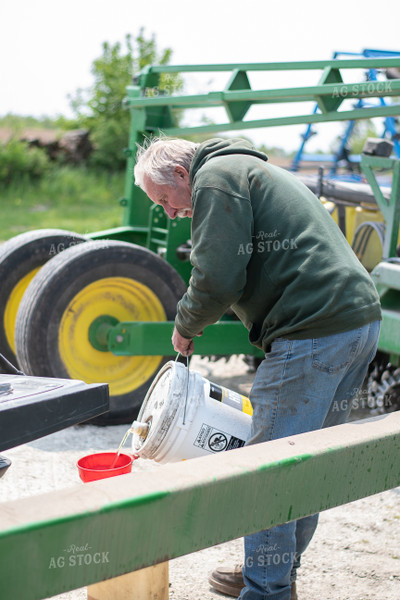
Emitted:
pixel 69 198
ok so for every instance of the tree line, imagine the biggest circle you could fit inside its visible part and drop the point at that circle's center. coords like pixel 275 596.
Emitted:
pixel 98 110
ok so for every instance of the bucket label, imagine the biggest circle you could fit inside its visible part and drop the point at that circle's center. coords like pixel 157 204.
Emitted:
pixel 215 440
pixel 231 398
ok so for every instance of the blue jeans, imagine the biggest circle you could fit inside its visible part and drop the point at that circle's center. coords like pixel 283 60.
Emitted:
pixel 301 385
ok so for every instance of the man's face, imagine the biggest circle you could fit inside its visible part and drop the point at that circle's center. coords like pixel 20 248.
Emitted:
pixel 176 201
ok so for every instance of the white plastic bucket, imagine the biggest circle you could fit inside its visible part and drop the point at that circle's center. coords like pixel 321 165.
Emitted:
pixel 179 419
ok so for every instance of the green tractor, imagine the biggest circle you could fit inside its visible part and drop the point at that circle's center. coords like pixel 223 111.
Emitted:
pixel 101 307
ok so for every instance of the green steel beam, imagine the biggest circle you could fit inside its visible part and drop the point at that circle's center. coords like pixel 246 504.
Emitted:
pixel 386 275
pixel 77 536
pixel 154 338
pixel 135 235
pixel 345 115
pixel 348 63
pixel 372 89
pixel 237 81
pixel 135 213
pixel 390 208
pixel 179 232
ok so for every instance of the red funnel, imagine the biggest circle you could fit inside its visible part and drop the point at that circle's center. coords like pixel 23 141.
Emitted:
pixel 98 466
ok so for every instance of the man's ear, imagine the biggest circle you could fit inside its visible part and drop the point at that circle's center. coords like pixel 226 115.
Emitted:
pixel 181 171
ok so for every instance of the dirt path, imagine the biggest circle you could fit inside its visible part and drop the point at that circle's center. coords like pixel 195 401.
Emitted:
pixel 354 555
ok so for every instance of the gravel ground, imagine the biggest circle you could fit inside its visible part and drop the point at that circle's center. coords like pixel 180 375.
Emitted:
pixel 354 554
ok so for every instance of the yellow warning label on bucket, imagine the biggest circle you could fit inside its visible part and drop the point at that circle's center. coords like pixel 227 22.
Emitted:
pixel 246 406
pixel 231 398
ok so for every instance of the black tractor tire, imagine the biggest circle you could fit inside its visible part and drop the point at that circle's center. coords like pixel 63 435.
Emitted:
pixel 124 281
pixel 20 259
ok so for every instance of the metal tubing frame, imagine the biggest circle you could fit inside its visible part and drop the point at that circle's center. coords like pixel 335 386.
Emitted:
pixel 154 339
pixel 390 208
pixel 348 63
pixel 386 274
pixel 372 75
pixel 150 115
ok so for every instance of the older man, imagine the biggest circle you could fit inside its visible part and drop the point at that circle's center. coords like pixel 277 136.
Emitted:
pixel 264 246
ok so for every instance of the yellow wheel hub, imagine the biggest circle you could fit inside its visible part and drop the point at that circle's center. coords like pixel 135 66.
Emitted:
pixel 13 302
pixel 125 300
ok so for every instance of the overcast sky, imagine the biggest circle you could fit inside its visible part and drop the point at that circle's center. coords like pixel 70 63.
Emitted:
pixel 47 46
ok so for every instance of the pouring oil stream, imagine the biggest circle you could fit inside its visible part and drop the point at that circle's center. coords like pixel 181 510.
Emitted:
pixel 141 428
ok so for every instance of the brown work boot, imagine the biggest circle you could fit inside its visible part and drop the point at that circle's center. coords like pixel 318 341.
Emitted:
pixel 230 581
pixel 227 580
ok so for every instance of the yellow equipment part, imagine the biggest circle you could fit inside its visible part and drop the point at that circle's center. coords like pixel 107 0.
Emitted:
pixel 125 300
pixel 13 302
pixel 355 216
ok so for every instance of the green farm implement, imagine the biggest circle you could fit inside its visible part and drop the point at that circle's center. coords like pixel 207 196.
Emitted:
pixel 100 308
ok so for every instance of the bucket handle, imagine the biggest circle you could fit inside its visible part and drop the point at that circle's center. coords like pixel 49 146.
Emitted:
pixel 187 386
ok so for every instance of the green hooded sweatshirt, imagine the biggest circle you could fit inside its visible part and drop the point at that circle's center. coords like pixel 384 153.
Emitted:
pixel 264 245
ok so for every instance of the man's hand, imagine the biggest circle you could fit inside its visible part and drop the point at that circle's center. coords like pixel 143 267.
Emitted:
pixel 181 344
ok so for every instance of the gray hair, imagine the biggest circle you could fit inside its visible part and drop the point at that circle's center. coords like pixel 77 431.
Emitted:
pixel 159 156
